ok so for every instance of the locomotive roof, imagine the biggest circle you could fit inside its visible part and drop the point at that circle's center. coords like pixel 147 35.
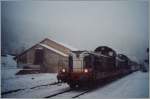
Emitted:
pixel 98 54
pixel 79 52
pixel 123 57
pixel 105 49
pixel 101 48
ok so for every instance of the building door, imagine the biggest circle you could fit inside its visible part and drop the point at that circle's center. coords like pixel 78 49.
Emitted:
pixel 38 57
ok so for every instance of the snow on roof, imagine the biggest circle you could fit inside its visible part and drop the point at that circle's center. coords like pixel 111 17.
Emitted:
pixel 65 45
pixel 56 51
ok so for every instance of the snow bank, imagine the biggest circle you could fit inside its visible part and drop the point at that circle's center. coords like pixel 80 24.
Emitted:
pixel 8 62
pixel 8 67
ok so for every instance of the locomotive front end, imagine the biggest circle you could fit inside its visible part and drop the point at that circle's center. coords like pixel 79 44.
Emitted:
pixel 80 68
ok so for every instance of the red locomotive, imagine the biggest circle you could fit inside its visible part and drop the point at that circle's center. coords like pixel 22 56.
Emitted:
pixel 88 67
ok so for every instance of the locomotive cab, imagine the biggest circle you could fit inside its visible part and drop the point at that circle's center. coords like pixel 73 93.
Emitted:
pixel 79 68
pixel 78 61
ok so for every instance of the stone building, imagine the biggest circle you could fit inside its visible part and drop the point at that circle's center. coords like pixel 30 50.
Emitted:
pixel 46 56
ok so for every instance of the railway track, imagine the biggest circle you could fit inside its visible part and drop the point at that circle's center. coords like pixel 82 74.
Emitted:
pixel 54 83
pixel 67 91
pixel 82 93
pixel 16 90
pixel 53 95
pixel 87 90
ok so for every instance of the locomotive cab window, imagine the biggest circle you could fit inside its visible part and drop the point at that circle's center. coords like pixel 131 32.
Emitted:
pixel 87 62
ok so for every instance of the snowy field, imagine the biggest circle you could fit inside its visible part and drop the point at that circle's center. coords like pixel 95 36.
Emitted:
pixel 135 85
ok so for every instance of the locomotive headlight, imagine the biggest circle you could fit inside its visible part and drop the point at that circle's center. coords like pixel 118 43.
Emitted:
pixel 85 70
pixel 63 70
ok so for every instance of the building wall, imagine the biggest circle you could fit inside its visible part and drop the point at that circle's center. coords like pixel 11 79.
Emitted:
pixel 51 62
pixel 28 57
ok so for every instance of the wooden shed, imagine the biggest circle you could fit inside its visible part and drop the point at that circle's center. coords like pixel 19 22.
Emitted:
pixel 47 56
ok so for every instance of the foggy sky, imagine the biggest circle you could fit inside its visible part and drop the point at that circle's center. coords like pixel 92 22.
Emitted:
pixel 122 25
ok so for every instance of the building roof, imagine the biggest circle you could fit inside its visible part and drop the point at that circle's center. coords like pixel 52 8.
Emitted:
pixel 51 48
pixel 54 50
pixel 63 44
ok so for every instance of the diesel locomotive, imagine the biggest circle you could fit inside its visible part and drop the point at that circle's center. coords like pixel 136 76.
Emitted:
pixel 87 67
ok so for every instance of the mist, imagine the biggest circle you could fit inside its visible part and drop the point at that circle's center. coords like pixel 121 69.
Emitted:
pixel 85 25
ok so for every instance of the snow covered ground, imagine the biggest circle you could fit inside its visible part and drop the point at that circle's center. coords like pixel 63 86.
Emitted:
pixel 12 82
pixel 27 81
pixel 135 85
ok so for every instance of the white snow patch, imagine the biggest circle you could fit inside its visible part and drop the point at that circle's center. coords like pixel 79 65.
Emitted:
pixel 8 62
pixel 8 67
